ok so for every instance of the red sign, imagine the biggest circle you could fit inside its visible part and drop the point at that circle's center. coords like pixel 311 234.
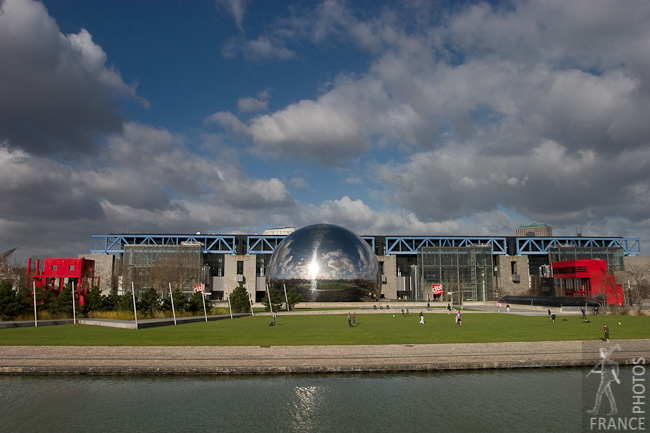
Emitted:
pixel 199 288
pixel 437 289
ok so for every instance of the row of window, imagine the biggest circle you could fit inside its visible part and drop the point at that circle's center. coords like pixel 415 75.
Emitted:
pixel 70 268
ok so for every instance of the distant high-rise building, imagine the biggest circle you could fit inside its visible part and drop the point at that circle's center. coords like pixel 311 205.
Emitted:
pixel 534 230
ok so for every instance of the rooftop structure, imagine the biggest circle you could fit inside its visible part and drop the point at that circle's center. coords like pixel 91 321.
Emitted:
pixel 537 230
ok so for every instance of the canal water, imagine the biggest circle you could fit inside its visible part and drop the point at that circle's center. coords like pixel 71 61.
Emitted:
pixel 526 400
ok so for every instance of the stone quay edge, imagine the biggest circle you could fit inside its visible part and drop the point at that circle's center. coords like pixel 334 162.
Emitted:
pixel 256 360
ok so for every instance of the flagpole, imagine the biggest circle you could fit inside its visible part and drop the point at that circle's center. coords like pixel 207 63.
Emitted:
pixel 74 309
pixel 268 295
pixel 286 298
pixel 35 314
pixel 171 294
pixel 135 310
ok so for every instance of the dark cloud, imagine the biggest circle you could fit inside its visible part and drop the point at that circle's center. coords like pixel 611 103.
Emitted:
pixel 39 191
pixel 56 93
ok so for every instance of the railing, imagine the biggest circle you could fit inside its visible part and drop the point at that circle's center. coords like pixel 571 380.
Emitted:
pixel 413 244
pixel 114 244
pixel 530 246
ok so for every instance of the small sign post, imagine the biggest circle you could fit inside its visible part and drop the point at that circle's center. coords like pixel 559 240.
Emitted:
pixel 200 288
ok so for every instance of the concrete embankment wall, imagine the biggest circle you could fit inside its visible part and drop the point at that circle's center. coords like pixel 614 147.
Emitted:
pixel 209 360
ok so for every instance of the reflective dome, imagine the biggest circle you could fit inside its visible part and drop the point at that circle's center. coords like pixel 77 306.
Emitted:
pixel 325 263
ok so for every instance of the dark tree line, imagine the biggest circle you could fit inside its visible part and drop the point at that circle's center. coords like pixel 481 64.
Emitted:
pixel 240 300
pixel 14 303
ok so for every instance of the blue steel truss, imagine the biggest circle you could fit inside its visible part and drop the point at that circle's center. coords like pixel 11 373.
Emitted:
pixel 114 244
pixel 262 244
pixel 395 245
pixel 371 241
pixel 542 245
pixel 412 244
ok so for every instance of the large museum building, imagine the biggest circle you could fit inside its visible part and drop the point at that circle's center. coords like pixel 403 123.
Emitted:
pixel 471 268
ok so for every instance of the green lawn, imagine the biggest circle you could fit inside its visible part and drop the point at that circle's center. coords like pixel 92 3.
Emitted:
pixel 333 329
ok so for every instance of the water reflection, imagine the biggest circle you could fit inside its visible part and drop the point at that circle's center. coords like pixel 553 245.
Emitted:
pixel 486 401
pixel 302 408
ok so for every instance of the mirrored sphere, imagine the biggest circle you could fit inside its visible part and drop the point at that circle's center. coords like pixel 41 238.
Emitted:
pixel 325 263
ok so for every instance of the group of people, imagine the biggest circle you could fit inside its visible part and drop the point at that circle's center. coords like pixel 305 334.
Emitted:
pixel 584 317
pixel 352 319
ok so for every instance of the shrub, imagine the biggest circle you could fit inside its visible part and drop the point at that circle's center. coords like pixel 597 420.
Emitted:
pixel 12 303
pixel 149 302
pixel 239 300
pixel 293 297
pixel 276 299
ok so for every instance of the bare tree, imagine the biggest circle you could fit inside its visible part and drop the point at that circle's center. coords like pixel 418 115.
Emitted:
pixel 9 272
pixel 181 268
pixel 6 273
pixel 160 266
pixel 638 283
pixel 609 290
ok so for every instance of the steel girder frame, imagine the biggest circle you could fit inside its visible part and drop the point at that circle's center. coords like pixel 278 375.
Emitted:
pixel 412 244
pixel 542 245
pixel 114 244
pixel 262 244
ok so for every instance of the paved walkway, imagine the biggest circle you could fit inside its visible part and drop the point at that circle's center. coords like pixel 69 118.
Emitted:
pixel 102 360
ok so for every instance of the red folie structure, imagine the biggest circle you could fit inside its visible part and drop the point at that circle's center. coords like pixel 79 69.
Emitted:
pixel 587 278
pixel 57 273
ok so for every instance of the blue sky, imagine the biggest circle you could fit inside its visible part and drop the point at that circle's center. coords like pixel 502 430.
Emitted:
pixel 228 116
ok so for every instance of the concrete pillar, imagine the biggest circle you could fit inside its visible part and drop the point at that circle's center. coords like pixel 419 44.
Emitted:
pixel 231 277
pixel 104 269
pixel 250 263
pixel 389 288
pixel 509 282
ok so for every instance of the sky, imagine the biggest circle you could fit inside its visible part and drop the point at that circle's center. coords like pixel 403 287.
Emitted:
pixel 385 117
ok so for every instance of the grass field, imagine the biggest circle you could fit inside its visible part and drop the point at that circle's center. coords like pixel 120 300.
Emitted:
pixel 333 329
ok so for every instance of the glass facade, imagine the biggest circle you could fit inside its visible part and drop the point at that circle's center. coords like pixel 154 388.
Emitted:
pixel 613 256
pixel 216 264
pixel 158 266
pixel 467 272
pixel 407 274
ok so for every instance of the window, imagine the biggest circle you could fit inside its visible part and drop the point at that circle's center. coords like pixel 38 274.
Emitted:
pixel 467 272
pixel 260 270
pixel 71 268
